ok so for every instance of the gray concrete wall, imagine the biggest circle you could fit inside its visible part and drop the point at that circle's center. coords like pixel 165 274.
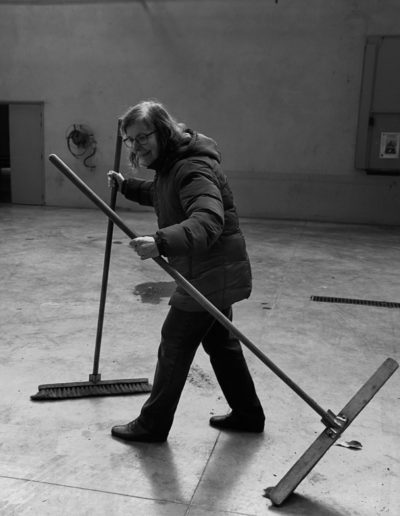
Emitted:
pixel 275 83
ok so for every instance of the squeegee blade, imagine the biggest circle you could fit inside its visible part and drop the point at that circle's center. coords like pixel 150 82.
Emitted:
pixel 327 438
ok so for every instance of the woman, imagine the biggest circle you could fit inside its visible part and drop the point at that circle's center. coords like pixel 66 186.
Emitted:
pixel 199 234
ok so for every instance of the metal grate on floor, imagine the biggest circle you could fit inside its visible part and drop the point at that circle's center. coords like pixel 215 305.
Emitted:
pixel 382 304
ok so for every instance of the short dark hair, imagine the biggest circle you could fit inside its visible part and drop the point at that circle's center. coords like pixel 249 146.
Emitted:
pixel 169 132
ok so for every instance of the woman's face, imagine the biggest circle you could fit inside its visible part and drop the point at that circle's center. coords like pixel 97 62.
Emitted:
pixel 143 141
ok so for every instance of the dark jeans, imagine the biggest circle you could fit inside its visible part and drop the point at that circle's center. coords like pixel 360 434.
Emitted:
pixel 181 335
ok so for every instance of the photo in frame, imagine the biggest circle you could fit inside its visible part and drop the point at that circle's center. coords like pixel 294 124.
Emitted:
pixel 390 145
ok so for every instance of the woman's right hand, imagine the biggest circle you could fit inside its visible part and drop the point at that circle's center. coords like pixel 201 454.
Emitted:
pixel 115 178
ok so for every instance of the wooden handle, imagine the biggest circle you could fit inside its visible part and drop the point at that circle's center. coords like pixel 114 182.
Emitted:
pixel 192 291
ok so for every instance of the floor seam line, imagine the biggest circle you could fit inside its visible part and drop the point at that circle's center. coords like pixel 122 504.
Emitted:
pixel 56 484
pixel 190 504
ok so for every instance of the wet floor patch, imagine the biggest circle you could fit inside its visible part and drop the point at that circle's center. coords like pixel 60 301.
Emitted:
pixel 153 291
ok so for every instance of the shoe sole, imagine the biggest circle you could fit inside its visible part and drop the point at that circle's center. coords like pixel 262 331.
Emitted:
pixel 238 429
pixel 143 439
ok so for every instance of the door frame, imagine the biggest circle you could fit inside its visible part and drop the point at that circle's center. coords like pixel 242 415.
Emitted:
pixel 39 103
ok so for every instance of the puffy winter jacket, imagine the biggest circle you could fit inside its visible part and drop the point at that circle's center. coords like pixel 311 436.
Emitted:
pixel 199 229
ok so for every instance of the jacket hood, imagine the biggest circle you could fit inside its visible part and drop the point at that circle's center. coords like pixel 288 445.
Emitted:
pixel 199 145
pixel 194 145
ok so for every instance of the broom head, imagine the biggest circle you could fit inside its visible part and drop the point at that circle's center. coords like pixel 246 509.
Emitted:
pixel 58 391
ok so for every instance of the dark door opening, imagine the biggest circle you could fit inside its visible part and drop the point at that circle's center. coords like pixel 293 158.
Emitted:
pixel 5 176
pixel 21 153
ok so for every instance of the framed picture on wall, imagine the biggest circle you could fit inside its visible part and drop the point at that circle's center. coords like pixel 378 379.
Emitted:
pixel 390 146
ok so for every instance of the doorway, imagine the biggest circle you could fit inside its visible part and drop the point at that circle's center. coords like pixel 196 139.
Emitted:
pixel 378 135
pixel 5 183
pixel 21 153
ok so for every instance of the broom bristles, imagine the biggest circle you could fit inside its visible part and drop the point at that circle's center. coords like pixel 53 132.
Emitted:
pixel 59 391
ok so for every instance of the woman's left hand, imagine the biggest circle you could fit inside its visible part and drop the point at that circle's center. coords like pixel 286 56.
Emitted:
pixel 145 247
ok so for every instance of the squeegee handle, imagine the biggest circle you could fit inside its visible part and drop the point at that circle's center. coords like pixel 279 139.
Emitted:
pixel 188 287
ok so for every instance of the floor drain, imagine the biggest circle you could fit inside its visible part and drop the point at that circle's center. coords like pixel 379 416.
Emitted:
pixel 382 304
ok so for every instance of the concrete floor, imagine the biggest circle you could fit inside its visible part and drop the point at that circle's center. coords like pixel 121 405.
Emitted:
pixel 58 458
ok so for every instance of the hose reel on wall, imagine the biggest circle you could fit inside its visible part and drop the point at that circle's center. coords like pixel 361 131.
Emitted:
pixel 81 143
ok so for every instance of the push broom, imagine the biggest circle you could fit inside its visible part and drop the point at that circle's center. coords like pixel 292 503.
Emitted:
pixel 96 386
pixel 334 424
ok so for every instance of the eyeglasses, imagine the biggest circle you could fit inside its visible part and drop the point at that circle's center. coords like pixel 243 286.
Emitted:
pixel 141 139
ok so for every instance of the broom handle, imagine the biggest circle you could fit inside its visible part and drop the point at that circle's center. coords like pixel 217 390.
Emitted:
pixel 327 417
pixel 95 377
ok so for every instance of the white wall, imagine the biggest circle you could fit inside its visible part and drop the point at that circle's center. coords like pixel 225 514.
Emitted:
pixel 275 83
